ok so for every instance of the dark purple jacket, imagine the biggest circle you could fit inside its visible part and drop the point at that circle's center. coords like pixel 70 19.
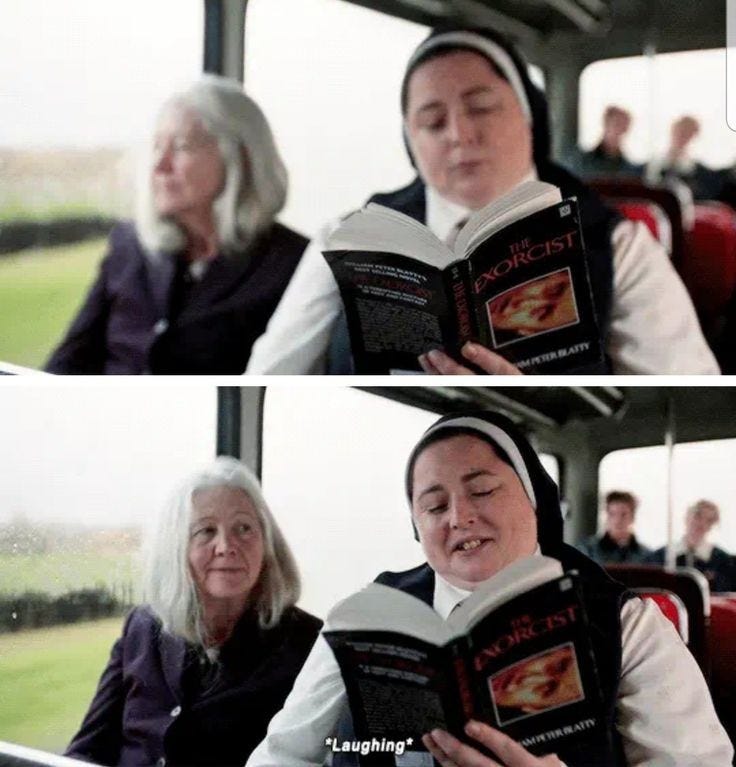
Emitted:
pixel 151 707
pixel 141 316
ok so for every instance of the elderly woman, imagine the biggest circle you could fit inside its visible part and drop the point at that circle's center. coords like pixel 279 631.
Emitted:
pixel 476 127
pixel 201 669
pixel 192 284
pixel 474 479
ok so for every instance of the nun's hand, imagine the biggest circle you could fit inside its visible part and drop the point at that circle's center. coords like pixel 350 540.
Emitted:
pixel 439 363
pixel 450 752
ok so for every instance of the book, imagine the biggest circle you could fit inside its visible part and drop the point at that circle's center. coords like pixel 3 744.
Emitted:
pixel 515 654
pixel 516 280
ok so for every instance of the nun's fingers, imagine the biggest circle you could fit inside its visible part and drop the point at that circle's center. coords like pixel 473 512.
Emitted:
pixel 509 751
pixel 427 366
pixel 437 362
pixel 450 752
pixel 489 361
pixel 440 363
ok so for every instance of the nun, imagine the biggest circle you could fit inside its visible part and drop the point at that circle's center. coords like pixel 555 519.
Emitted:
pixel 480 500
pixel 476 127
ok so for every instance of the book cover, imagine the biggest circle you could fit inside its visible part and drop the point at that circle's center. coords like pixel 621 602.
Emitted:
pixel 531 290
pixel 396 309
pixel 516 281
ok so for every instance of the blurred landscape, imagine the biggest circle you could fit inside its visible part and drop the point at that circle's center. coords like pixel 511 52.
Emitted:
pixel 52 573
pixel 40 291
pixel 42 185
pixel 48 677
pixel 55 559
pixel 55 209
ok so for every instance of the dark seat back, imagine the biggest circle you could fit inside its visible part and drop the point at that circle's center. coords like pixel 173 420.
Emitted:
pixel 723 659
pixel 709 268
pixel 691 586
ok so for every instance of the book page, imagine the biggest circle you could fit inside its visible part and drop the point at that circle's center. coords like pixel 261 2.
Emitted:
pixel 521 202
pixel 376 228
pixel 382 608
pixel 518 577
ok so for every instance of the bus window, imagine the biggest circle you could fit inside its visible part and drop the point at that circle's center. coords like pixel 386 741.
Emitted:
pixel 78 92
pixel 333 471
pixel 83 469
pixel 331 93
pixel 537 76
pixel 551 465
pixel 657 91
pixel 700 470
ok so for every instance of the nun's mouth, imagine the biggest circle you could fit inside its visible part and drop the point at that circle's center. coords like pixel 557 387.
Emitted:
pixel 470 545
pixel 468 167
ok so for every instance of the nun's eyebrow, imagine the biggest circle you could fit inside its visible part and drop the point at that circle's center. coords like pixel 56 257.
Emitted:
pixel 477 473
pixel 469 93
pixel 429 106
pixel 468 477
pixel 432 489
pixel 477 90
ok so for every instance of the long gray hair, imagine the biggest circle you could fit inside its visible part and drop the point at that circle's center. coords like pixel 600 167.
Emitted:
pixel 168 586
pixel 255 185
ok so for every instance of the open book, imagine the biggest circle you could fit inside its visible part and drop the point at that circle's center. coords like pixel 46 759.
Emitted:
pixel 515 280
pixel 515 654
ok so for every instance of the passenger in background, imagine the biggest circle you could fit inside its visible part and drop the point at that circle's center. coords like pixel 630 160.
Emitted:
pixel 476 128
pixel 618 543
pixel 608 158
pixel 191 285
pixel 678 164
pixel 200 669
pixel 695 551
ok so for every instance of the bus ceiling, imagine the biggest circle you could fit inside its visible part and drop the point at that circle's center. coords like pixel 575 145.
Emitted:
pixel 553 33
pixel 605 418
pixel 599 28
pixel 600 418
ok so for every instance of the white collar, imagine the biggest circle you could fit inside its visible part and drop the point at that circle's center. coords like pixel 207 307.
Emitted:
pixel 703 551
pixel 197 268
pixel 443 216
pixel 447 597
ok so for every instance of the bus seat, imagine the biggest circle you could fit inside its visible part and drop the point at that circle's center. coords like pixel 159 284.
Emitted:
pixel 672 608
pixel 723 659
pixel 723 638
pixel 709 264
pixel 690 585
pixel 614 190
pixel 651 215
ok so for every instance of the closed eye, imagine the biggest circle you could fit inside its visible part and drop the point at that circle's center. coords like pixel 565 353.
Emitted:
pixel 483 109
pixel 435 125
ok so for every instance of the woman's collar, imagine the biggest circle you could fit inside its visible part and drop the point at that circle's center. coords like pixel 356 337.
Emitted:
pixel 447 597
pixel 443 216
